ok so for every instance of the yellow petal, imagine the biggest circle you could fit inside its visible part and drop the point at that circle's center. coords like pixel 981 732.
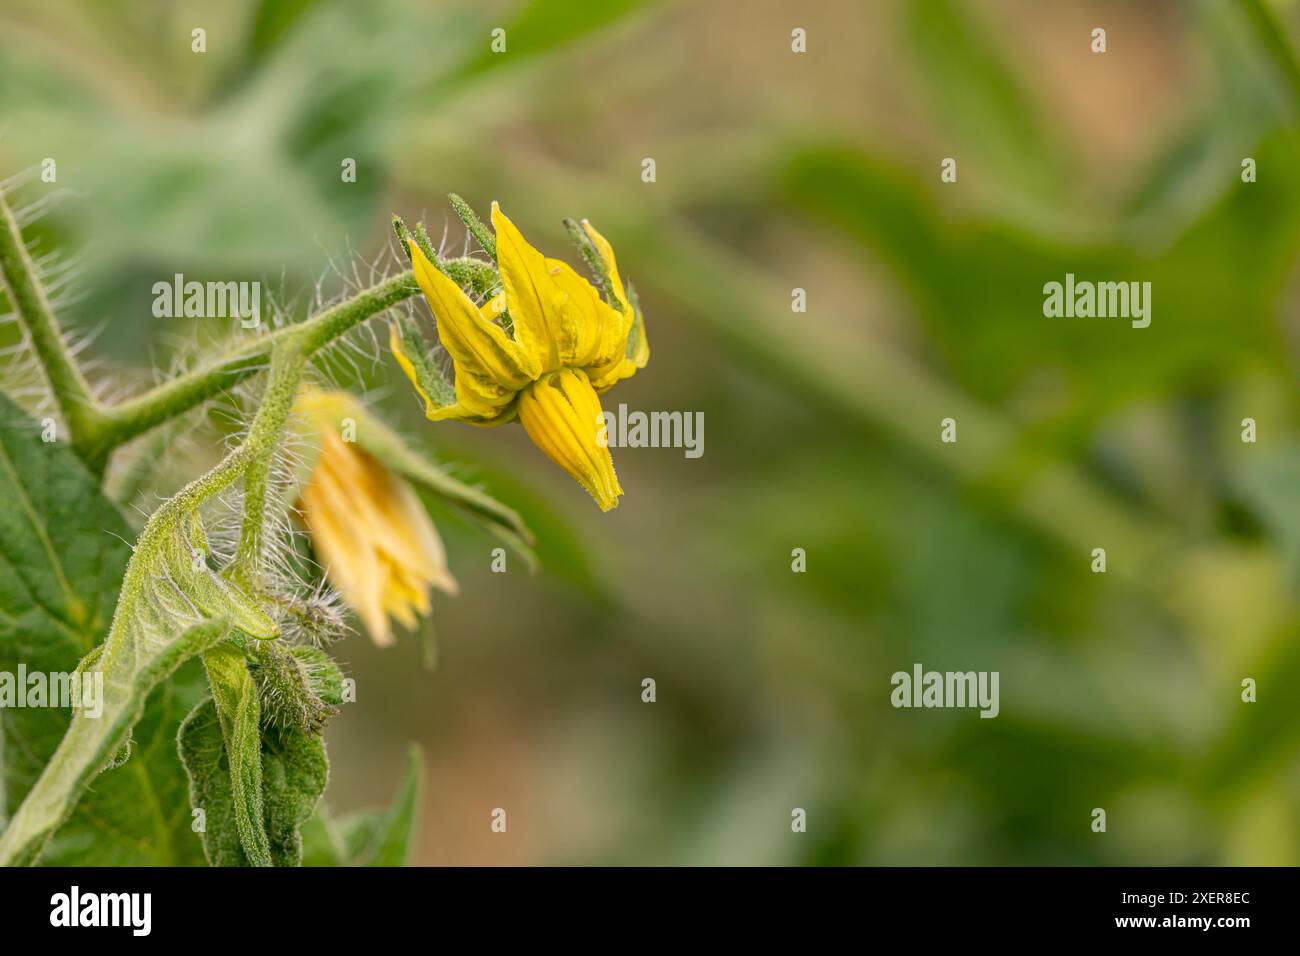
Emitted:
pixel 562 416
pixel 490 368
pixel 469 407
pixel 403 599
pixel 586 322
pixel 536 303
pixel 373 537
pixel 493 307
pixel 339 538
pixel 622 354
pixel 433 569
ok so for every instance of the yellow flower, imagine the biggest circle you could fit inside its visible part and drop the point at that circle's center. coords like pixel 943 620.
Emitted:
pixel 565 345
pixel 372 535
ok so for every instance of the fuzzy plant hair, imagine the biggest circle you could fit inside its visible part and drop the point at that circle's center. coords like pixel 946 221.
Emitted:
pixel 219 570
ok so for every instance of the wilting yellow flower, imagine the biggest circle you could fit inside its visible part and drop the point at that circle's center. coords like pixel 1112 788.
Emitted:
pixel 566 346
pixel 372 535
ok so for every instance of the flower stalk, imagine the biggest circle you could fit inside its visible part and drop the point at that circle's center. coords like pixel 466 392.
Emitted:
pixel 287 365
pixel 29 300
pixel 137 415
pixel 98 430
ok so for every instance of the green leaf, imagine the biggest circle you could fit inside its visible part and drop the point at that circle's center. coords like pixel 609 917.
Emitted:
pixel 203 752
pixel 544 25
pixel 294 772
pixel 63 551
pixel 390 842
pixel 62 554
pixel 980 99
pixel 235 697
pixel 371 837
pixel 138 814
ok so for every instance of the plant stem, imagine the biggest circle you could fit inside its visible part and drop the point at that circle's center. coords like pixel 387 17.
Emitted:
pixel 29 300
pixel 97 431
pixel 137 415
pixel 259 447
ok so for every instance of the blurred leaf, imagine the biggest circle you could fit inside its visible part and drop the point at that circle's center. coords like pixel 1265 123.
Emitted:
pixel 1276 45
pixel 560 550
pixel 374 837
pixel 539 26
pixel 1259 740
pixel 271 21
pixel 978 286
pixel 981 101
pixel 1269 483
pixel 383 838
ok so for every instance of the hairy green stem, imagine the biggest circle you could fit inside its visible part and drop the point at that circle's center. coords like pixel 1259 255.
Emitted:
pixel 27 295
pixel 137 415
pixel 263 438
pixel 96 430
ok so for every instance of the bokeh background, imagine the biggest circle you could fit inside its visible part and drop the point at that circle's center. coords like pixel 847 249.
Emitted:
pixel 777 170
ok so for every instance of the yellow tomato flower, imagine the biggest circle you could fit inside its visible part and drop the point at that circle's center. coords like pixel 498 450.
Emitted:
pixel 373 537
pixel 565 346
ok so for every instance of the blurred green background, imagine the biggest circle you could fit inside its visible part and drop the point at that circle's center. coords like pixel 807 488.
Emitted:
pixel 778 170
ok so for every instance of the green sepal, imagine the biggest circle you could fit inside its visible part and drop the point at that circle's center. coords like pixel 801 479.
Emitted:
pixel 417 350
pixel 475 225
